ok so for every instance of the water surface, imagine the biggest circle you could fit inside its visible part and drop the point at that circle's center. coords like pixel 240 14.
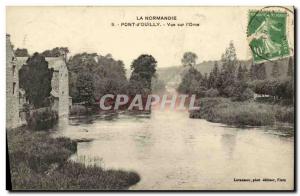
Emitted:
pixel 171 151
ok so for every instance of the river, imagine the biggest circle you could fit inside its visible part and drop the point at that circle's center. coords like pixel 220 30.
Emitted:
pixel 171 151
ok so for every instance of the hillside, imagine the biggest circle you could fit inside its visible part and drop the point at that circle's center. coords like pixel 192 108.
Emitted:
pixel 172 75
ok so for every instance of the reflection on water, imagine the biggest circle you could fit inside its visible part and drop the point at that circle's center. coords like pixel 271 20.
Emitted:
pixel 228 142
pixel 171 151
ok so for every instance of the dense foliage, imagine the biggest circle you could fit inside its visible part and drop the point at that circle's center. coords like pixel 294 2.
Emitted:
pixel 223 110
pixel 35 78
pixel 56 52
pixel 93 75
pixel 234 80
pixel 143 70
pixel 21 52
pixel 41 162
pixel 41 119
pixel 229 81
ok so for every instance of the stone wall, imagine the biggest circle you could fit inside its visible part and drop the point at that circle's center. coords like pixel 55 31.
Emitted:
pixel 55 81
pixel 12 87
pixel 63 91
pixel 59 83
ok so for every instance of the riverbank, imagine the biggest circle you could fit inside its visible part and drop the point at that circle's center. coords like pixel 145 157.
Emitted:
pixel 40 162
pixel 246 113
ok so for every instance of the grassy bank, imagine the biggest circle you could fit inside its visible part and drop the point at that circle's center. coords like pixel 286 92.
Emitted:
pixel 40 162
pixel 223 110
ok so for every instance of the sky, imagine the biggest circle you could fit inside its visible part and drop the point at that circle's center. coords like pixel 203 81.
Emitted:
pixel 88 29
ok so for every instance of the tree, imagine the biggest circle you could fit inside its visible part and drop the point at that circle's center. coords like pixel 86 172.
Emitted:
pixel 290 71
pixel 261 73
pixel 158 86
pixel 212 93
pixel 211 80
pixel 227 76
pixel 192 82
pixel 21 52
pixel 252 74
pixel 229 58
pixel 85 87
pixel 258 72
pixel 136 85
pixel 213 76
pixel 246 95
pixel 275 70
pixel 35 78
pixel 56 52
pixel 240 74
pixel 83 62
pixel 245 73
pixel 189 59
pixel 205 81
pixel 145 67
pixel 108 74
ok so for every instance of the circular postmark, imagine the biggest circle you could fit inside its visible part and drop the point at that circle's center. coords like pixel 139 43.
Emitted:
pixel 268 32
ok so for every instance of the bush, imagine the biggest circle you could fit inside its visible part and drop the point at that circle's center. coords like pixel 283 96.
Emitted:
pixel 246 95
pixel 284 114
pixel 212 93
pixel 229 91
pixel 264 99
pixel 38 150
pixel 41 119
pixel 78 110
pixel 223 110
pixel 280 89
pixel 248 114
pixel 206 107
pixel 40 162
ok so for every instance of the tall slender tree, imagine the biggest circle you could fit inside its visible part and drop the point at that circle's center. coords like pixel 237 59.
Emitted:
pixel 290 71
pixel 227 75
pixel 252 75
pixel 261 73
pixel 35 79
pixel 275 70
pixel 240 74
pixel 245 73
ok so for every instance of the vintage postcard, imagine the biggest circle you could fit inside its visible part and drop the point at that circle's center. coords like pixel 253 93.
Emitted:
pixel 150 98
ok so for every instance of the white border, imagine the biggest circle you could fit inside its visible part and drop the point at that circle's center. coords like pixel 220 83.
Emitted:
pixel 4 3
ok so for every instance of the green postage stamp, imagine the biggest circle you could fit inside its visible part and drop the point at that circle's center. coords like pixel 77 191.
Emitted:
pixel 267 35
